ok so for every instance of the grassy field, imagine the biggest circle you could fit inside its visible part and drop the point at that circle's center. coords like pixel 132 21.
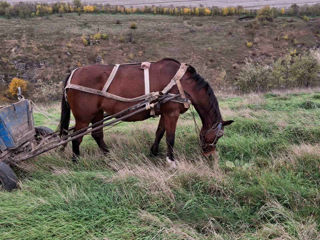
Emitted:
pixel 267 186
pixel 42 50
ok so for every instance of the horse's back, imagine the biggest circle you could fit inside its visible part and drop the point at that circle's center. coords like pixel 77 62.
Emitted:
pixel 128 81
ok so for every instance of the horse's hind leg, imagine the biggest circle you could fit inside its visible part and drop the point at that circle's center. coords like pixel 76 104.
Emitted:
pixel 159 134
pixel 98 134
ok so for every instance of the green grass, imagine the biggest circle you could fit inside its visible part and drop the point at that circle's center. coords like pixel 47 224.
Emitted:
pixel 267 186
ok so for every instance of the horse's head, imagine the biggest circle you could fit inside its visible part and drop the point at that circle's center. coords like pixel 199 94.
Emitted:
pixel 209 137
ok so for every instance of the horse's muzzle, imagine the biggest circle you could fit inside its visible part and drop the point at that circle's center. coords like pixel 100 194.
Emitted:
pixel 208 150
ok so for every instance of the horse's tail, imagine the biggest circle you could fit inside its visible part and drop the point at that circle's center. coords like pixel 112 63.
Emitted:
pixel 65 112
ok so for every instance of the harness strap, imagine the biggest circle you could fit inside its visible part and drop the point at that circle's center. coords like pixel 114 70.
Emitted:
pixel 146 66
pixel 112 96
pixel 110 78
pixel 68 83
pixel 181 91
pixel 176 81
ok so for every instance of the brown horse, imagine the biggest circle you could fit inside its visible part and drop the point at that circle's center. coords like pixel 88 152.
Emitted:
pixel 128 83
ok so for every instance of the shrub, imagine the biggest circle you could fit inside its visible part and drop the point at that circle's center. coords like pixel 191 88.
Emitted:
pixel 43 10
pixel 133 26
pixel 315 53
pixel 306 18
pixel 207 12
pixel 265 14
pixel 254 77
pixel 104 36
pixel 287 72
pixel 61 9
pixel 186 11
pixel 15 84
pixel 22 10
pixel 294 10
pixel 283 11
pixel 225 11
pixel 77 4
pixel 296 71
pixel 85 40
pixel 232 11
pixel 293 52
pixel 89 8
pixel 121 39
pixel 97 36
pixel 197 11
pixel 249 44
pixel 3 6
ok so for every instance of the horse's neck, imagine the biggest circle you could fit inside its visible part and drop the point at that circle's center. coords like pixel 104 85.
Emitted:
pixel 208 116
pixel 209 113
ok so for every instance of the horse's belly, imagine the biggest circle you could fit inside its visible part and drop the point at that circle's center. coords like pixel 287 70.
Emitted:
pixel 138 117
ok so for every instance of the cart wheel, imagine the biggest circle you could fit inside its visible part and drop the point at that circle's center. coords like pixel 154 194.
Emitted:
pixel 42 131
pixel 8 179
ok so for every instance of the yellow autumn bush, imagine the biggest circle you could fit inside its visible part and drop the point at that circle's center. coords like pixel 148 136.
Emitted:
pixel 207 12
pixel 15 83
pixel 84 40
pixel 249 44
pixel 225 11
pixel 186 11
pixel 89 8
pixel 97 36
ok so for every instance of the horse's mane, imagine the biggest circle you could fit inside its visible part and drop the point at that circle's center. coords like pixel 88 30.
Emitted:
pixel 201 83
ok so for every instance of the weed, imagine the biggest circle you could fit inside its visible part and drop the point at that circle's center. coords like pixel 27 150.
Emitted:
pixel 85 41
pixel 306 18
pixel 249 44
pixel 133 26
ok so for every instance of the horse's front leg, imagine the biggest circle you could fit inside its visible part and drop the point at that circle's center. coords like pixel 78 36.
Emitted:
pixel 170 121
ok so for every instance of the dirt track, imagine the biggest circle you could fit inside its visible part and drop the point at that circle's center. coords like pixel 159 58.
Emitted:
pixel 219 3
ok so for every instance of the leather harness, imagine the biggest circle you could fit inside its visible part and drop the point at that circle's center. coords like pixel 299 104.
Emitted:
pixel 147 94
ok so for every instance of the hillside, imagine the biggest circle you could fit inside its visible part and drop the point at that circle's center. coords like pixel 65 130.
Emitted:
pixel 42 50
pixel 267 186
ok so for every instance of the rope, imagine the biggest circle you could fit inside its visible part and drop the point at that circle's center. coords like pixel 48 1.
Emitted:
pixel 196 127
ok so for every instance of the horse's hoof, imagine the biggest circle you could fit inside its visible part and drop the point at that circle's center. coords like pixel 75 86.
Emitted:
pixel 105 151
pixel 154 151
pixel 172 164
pixel 75 160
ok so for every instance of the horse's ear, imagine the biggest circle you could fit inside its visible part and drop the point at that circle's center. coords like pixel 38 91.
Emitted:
pixel 226 123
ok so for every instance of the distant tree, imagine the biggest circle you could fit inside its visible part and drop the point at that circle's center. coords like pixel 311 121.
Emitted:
pixel 77 3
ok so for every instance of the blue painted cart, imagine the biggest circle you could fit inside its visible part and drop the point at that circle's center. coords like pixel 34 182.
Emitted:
pixel 16 125
pixel 18 136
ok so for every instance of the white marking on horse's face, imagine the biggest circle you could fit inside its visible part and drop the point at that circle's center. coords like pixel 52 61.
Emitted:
pixel 172 164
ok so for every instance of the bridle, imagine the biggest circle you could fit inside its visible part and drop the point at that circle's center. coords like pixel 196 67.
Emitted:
pixel 218 129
